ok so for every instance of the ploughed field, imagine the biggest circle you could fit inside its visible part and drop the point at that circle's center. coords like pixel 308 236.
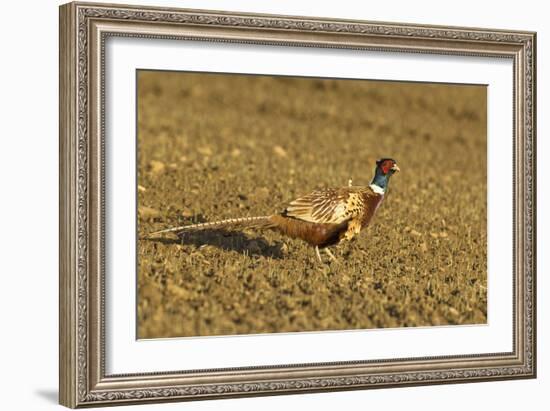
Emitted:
pixel 212 147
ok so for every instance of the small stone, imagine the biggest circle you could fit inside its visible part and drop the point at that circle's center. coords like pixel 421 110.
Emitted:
pixel 453 311
pixel 205 151
pixel 279 151
pixel 186 213
pixel 156 167
pixel 415 233
pixel 148 212
pixel 141 189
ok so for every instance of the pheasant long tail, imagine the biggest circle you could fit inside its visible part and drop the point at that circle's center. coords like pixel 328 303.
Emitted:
pixel 229 224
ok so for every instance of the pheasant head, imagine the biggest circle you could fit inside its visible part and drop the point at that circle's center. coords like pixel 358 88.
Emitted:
pixel 385 168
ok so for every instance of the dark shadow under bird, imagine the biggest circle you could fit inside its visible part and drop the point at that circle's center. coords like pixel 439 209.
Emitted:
pixel 322 218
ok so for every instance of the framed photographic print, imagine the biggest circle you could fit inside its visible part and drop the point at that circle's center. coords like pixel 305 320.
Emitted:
pixel 260 204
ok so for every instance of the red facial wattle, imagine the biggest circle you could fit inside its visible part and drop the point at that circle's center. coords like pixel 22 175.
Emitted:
pixel 386 167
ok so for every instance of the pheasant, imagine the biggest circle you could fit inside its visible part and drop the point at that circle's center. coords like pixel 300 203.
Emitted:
pixel 322 218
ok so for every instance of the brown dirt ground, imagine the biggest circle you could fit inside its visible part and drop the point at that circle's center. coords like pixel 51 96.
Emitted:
pixel 217 146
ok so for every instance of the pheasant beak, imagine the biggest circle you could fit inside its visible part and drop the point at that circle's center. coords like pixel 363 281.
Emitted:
pixel 395 168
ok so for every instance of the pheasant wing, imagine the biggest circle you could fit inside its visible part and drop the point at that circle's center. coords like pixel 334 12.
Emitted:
pixel 330 205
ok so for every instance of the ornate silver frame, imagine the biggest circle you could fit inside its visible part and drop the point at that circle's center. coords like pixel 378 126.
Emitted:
pixel 83 30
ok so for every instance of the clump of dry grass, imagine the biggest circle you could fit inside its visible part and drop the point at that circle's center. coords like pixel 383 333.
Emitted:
pixel 219 146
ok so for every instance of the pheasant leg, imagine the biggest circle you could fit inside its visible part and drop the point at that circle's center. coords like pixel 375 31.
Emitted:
pixel 329 253
pixel 318 254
